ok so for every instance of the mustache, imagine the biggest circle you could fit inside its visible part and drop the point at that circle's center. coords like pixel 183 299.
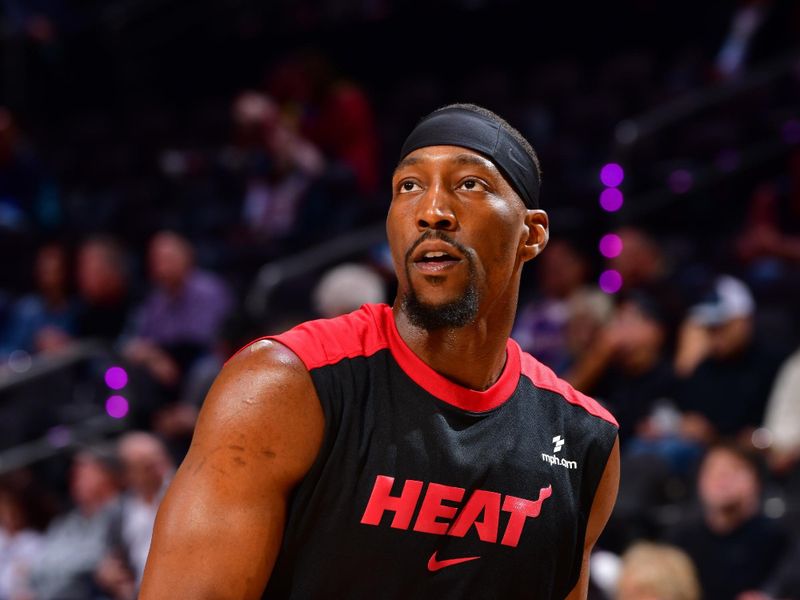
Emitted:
pixel 435 234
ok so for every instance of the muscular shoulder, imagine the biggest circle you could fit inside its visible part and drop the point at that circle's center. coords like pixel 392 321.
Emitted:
pixel 258 434
pixel 263 362
pixel 264 402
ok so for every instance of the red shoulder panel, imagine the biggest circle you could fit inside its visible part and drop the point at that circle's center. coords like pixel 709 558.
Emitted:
pixel 543 377
pixel 327 341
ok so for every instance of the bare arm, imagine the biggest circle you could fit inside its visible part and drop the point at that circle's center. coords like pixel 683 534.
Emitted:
pixel 220 526
pixel 602 506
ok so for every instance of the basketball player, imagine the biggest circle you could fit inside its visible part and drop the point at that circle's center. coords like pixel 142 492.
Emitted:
pixel 411 451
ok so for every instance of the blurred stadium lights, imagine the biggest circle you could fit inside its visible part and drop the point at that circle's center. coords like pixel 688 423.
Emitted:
pixel 612 175
pixel 611 199
pixel 610 281
pixel 116 378
pixel 610 245
pixel 117 406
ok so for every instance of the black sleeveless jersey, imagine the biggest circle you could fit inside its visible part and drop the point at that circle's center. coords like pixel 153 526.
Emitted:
pixel 425 489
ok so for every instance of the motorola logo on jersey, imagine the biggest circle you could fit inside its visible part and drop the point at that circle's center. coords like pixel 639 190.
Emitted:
pixel 456 518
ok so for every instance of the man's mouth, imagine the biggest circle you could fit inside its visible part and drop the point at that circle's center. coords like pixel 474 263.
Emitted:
pixel 435 261
pixel 434 255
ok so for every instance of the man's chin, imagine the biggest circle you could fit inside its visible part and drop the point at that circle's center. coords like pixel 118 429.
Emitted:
pixel 442 312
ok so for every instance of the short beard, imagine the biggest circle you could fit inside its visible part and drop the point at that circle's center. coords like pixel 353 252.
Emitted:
pixel 452 315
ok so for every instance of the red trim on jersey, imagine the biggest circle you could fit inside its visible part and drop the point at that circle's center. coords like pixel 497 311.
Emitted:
pixel 325 342
pixel 544 378
pixel 443 388
pixel 371 329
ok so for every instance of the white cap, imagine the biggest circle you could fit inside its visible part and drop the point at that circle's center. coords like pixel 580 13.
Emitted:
pixel 730 299
pixel 345 288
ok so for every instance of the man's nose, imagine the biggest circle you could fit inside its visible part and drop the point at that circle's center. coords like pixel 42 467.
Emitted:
pixel 435 211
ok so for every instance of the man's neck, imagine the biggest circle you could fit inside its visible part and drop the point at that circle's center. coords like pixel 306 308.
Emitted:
pixel 725 520
pixel 472 356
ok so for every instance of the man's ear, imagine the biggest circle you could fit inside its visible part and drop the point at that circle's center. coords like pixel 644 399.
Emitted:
pixel 538 227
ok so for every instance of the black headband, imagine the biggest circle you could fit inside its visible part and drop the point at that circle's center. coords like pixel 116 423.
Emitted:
pixel 469 129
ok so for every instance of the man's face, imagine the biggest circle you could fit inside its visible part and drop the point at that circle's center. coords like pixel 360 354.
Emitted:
pixel 726 481
pixel 98 278
pixel 170 260
pixel 458 234
pixel 51 269
pixel 731 338
pixel 642 337
pixel 144 468
pixel 89 480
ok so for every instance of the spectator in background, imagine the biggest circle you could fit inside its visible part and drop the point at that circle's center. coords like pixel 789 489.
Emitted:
pixel 725 375
pixel 345 288
pixel 644 266
pixel 542 325
pixel 279 165
pixel 657 572
pixel 722 380
pixel 44 320
pixel 176 326
pixel 75 543
pixel 627 367
pixel 104 289
pixel 768 247
pixel 148 469
pixel 20 543
pixel 782 418
pixel 734 547
pixel 589 310
pixel 181 315
pixel 641 262
pixel 335 114
pixel 773 225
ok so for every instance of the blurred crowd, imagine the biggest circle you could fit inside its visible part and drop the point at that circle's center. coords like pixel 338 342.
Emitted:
pixel 142 234
pixel 708 410
pixel 158 290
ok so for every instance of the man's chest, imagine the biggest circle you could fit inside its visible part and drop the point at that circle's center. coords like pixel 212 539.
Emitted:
pixel 421 492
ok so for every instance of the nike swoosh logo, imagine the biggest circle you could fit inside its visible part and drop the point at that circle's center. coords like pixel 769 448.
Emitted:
pixel 435 565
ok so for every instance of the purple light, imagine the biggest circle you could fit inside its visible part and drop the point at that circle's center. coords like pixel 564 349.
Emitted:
pixel 611 199
pixel 116 378
pixel 612 175
pixel 790 132
pixel 610 281
pixel 610 245
pixel 680 181
pixel 117 406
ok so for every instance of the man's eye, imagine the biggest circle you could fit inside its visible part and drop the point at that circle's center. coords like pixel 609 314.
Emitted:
pixel 472 185
pixel 408 186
